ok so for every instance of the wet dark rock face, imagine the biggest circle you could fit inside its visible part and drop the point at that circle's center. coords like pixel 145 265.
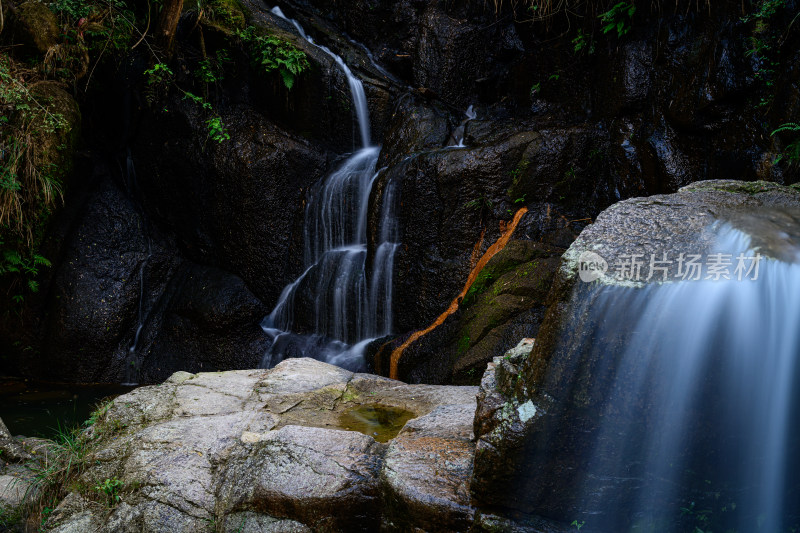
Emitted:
pixel 235 204
pixel 111 263
pixel 563 133
pixel 92 307
pixel 206 320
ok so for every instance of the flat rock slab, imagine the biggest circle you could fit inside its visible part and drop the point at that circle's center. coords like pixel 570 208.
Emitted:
pixel 271 451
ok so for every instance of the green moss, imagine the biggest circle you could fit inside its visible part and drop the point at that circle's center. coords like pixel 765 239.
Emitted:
pixel 484 279
pixel 349 395
pixel 742 187
pixel 223 14
pixel 37 26
pixel 464 344
pixel 516 190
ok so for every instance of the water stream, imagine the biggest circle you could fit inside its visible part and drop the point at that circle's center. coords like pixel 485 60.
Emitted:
pixel 334 308
pixel 132 358
pixel 701 386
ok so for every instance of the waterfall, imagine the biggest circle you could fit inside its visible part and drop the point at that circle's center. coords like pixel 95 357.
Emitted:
pixel 132 359
pixel 456 139
pixel 701 389
pixel 334 309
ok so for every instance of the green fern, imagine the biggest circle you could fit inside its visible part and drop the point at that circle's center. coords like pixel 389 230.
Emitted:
pixel 272 53
pixel 792 150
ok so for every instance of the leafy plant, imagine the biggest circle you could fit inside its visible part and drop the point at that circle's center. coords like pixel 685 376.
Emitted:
pixel 792 150
pixel 98 413
pixel 582 42
pixel 227 13
pixel 765 9
pixel 214 124
pixel 31 135
pixel 56 471
pixel 763 45
pixel 216 130
pixel 521 167
pixel 13 262
pixel 274 54
pixel 114 29
pixel 577 525
pixel 479 204
pixel 158 79
pixel 110 488
pixel 212 69
pixel 618 18
pixel 159 74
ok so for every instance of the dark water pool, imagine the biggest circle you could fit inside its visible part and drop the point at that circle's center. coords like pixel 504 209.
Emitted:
pixel 38 409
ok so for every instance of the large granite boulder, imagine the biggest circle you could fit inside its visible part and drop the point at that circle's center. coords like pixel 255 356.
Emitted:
pixel 305 446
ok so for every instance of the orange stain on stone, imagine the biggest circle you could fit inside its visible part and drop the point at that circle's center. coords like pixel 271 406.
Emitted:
pixel 507 230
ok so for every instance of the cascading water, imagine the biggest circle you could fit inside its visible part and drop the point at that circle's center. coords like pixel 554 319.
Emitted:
pixel 696 429
pixel 332 311
pixel 456 139
pixel 132 359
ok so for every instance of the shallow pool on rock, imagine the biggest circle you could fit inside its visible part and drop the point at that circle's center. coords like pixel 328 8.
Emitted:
pixel 381 422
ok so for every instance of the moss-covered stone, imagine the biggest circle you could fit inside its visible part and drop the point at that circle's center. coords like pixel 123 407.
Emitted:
pixel 222 14
pixel 54 147
pixel 739 187
pixel 516 280
pixel 35 27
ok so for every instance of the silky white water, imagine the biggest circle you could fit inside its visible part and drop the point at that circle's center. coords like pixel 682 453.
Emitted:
pixel 334 309
pixel 697 429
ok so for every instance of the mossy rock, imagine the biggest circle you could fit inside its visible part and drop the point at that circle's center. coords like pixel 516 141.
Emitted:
pixel 516 280
pixel 35 27
pixel 515 254
pixel 222 14
pixel 739 187
pixel 54 148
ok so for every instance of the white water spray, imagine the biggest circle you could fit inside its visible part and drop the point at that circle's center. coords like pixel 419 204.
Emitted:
pixel 332 311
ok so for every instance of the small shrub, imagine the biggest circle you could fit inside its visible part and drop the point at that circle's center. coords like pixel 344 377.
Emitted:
pixel 212 69
pixel 581 42
pixel 214 124
pixel 216 130
pixel 274 54
pixel 56 470
pixel 110 489
pixel 618 18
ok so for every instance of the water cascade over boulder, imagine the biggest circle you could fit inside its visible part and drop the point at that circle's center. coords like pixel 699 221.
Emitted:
pixel 662 387
pixel 335 308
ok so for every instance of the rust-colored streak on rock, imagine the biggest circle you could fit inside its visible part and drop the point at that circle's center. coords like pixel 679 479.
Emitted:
pixel 498 245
